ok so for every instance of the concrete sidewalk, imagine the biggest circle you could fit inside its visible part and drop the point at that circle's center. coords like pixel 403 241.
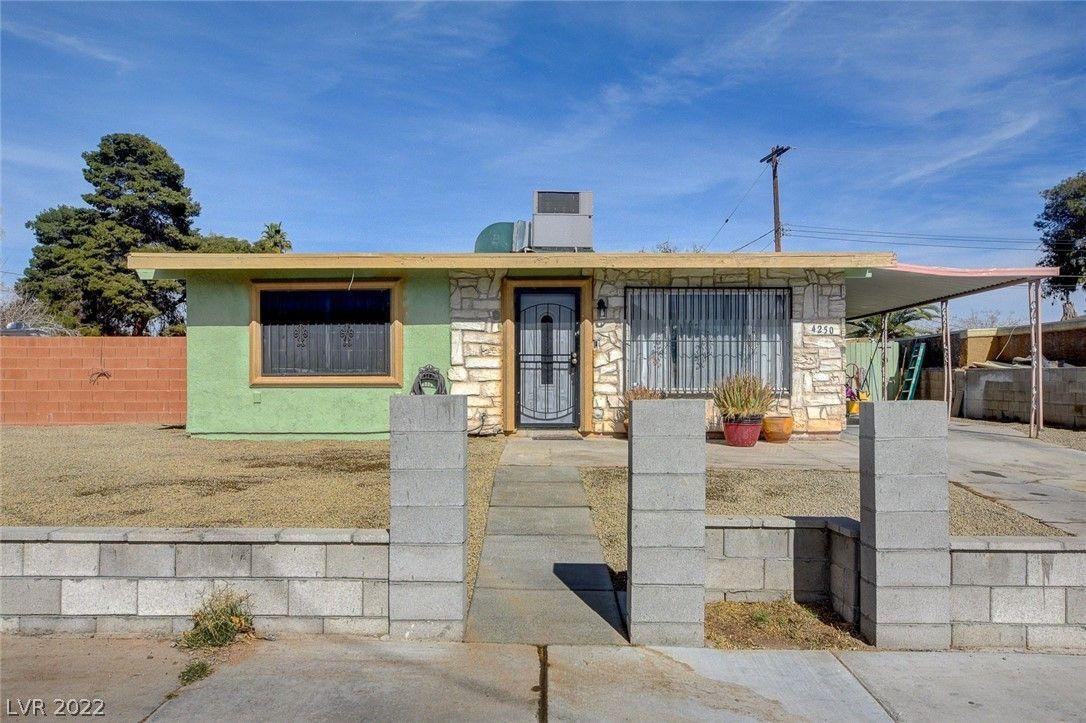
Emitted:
pixel 339 678
pixel 352 680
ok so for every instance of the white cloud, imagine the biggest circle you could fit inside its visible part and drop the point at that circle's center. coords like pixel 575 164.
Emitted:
pixel 66 43
pixel 969 148
pixel 41 159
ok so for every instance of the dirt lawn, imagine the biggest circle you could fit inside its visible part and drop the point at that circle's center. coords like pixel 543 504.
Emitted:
pixel 779 625
pixel 787 492
pixel 151 476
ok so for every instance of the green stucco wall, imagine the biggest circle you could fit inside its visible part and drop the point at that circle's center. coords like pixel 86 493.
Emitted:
pixel 222 404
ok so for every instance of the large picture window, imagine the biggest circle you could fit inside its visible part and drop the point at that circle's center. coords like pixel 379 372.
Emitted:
pixel 330 333
pixel 684 340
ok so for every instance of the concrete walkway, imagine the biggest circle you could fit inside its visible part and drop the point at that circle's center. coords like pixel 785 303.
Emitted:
pixel 542 579
pixel 330 679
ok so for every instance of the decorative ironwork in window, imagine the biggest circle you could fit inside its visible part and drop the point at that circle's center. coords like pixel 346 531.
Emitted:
pixel 684 340
pixel 324 326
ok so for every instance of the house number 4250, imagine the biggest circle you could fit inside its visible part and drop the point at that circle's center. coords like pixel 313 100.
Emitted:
pixel 823 329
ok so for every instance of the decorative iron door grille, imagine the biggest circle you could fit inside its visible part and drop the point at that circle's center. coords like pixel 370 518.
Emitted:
pixel 547 337
pixel 685 340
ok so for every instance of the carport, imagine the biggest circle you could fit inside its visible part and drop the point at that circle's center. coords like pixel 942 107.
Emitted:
pixel 882 291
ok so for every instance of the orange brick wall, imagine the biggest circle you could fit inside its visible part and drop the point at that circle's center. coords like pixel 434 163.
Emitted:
pixel 48 380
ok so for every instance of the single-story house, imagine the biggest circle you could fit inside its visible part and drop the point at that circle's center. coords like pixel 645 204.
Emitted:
pixel 313 345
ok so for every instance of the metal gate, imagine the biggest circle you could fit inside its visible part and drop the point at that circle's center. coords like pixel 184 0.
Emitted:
pixel 548 392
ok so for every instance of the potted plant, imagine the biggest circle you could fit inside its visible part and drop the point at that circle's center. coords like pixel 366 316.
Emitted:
pixel 742 400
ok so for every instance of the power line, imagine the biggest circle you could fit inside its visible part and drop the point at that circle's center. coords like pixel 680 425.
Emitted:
pixel 918 243
pixel 909 234
pixel 737 205
pixel 754 240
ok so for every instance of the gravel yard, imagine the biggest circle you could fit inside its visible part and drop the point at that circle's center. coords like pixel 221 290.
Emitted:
pixel 788 492
pixel 151 476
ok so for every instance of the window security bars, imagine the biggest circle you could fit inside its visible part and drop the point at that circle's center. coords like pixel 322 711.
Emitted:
pixel 317 333
pixel 685 340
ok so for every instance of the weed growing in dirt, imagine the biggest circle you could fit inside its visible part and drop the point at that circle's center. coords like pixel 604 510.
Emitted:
pixel 194 671
pixel 221 618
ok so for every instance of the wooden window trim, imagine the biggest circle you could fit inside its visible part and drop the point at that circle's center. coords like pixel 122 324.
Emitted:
pixel 396 312
pixel 587 349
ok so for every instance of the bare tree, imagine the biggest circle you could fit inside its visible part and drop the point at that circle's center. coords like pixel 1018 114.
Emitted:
pixel 15 308
pixel 986 319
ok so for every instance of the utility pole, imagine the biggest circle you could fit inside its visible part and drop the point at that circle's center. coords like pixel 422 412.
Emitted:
pixel 772 158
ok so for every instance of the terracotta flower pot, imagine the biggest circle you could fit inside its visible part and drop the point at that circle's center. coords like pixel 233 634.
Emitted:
pixel 742 432
pixel 777 429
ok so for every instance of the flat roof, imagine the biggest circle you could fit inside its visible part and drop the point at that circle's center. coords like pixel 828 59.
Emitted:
pixel 182 262
pixel 904 286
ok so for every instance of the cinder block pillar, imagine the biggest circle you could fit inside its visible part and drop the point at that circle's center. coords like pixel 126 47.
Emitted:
pixel 428 529
pixel 665 587
pixel 904 525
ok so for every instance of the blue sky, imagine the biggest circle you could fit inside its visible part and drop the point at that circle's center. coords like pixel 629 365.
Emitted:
pixel 411 127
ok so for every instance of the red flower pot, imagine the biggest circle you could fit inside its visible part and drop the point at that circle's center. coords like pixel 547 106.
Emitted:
pixel 742 433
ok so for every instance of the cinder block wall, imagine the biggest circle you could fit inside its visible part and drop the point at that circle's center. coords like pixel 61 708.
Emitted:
pixel 1018 592
pixel 150 581
pixel 1003 394
pixel 92 380
pixel 806 559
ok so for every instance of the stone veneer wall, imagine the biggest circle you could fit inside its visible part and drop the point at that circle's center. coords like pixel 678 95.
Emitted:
pixel 818 362
pixel 476 360
pixel 151 580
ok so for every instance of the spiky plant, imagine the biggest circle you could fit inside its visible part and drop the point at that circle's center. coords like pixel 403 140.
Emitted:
pixel 742 397
pixel 633 394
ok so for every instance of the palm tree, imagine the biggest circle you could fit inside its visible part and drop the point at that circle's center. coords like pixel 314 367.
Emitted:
pixel 274 240
pixel 900 324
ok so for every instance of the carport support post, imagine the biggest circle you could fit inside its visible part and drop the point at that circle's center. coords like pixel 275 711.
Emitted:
pixel 665 585
pixel 904 525
pixel 948 359
pixel 1036 379
pixel 427 552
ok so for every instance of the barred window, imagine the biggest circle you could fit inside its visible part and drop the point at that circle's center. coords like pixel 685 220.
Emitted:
pixel 684 340
pixel 326 333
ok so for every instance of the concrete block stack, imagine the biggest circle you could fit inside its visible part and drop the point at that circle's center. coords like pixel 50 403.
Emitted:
pixel 428 517
pixel 904 525
pixel 666 536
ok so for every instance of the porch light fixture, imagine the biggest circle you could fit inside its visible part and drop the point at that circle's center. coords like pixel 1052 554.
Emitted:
pixel 601 309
